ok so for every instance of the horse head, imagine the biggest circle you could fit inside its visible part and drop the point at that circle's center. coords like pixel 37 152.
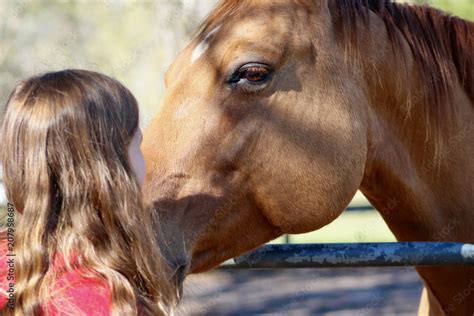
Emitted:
pixel 262 132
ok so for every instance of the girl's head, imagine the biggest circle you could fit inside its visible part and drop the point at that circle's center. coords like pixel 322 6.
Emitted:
pixel 73 169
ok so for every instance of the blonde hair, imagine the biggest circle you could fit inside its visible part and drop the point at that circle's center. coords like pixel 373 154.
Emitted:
pixel 66 170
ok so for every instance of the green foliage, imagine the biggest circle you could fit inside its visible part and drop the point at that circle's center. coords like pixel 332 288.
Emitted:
pixel 129 40
pixel 461 8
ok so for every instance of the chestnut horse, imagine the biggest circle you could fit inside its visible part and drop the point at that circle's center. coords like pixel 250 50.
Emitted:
pixel 278 111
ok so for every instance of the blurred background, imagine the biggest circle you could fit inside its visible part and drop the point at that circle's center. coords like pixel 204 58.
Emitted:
pixel 134 42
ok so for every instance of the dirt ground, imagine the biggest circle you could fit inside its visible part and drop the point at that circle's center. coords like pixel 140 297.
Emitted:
pixel 342 291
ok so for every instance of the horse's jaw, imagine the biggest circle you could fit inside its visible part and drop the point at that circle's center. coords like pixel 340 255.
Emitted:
pixel 198 232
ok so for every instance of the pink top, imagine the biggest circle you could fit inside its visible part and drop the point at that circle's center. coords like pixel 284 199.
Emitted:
pixel 72 294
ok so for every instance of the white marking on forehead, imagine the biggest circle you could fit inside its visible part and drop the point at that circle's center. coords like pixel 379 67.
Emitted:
pixel 203 46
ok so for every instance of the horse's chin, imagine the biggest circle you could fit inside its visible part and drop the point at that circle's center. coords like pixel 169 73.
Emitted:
pixel 205 260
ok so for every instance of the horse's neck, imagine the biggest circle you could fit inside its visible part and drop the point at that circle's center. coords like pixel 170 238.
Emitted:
pixel 422 201
pixel 419 197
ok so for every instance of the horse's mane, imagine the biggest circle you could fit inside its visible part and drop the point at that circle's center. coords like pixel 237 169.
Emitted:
pixel 442 45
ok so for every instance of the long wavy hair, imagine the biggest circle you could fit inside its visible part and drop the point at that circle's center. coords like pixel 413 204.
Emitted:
pixel 66 170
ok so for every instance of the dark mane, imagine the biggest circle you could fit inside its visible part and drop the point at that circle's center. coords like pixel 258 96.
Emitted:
pixel 442 45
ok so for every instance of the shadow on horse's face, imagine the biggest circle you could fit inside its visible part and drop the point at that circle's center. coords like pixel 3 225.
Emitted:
pixel 261 132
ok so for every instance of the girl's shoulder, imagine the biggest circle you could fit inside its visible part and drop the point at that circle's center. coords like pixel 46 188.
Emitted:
pixel 71 293
pixel 74 294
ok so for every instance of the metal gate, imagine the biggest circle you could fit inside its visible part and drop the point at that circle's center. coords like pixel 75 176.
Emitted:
pixel 355 255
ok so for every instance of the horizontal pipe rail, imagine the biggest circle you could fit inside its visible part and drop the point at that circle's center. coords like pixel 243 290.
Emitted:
pixel 387 254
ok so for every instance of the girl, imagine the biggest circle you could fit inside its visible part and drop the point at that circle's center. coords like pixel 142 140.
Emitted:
pixel 83 242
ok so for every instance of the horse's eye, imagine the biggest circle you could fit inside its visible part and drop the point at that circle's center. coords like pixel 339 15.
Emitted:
pixel 254 74
pixel 251 77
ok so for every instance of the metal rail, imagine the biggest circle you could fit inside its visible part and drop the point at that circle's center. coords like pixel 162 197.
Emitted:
pixel 355 255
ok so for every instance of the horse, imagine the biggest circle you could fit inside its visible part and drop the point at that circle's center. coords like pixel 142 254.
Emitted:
pixel 277 112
